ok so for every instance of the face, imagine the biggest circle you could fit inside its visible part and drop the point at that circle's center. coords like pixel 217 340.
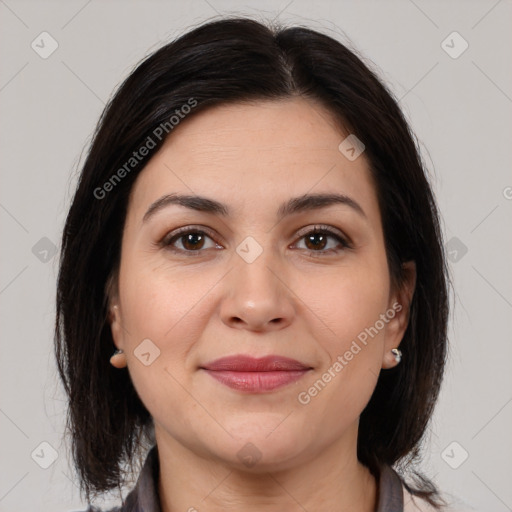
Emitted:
pixel 259 274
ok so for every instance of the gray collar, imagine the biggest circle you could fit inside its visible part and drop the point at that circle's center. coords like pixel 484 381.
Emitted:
pixel 144 496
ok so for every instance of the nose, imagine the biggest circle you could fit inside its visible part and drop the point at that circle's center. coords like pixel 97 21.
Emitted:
pixel 256 297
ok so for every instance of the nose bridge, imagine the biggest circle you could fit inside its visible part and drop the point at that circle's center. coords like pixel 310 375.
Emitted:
pixel 254 277
pixel 257 298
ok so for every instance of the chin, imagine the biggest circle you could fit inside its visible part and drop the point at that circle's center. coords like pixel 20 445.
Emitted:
pixel 261 446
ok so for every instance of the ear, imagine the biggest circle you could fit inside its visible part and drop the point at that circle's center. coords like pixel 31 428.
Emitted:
pixel 398 312
pixel 114 319
pixel 114 314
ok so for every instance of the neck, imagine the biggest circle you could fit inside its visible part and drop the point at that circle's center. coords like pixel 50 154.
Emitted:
pixel 332 480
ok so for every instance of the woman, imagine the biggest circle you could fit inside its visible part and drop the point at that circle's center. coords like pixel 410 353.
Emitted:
pixel 254 235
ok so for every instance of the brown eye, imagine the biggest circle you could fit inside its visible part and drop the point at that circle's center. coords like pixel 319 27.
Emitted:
pixel 192 241
pixel 316 241
pixel 322 240
pixel 189 241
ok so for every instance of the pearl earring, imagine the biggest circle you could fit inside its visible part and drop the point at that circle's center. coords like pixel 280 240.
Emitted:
pixel 398 355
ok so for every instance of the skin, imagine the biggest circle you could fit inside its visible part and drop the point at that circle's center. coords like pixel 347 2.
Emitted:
pixel 198 307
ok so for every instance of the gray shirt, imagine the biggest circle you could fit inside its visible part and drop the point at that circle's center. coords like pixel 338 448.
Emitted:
pixel 144 496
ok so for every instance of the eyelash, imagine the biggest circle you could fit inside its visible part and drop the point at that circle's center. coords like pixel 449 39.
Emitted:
pixel 169 239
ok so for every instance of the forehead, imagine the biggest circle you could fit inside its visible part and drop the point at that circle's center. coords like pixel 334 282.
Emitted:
pixel 255 153
pixel 288 126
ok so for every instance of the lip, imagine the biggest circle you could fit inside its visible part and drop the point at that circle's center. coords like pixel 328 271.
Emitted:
pixel 246 373
pixel 243 363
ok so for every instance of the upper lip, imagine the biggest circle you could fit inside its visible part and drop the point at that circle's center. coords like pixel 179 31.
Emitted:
pixel 244 363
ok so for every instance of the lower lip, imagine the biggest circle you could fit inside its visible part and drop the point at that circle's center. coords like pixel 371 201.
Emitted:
pixel 257 382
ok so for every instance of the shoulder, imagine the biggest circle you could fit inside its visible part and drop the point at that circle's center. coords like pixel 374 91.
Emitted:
pixel 415 504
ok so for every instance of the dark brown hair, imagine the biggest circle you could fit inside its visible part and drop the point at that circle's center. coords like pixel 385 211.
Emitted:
pixel 221 62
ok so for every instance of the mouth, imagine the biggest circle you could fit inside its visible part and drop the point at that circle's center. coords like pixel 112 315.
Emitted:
pixel 256 375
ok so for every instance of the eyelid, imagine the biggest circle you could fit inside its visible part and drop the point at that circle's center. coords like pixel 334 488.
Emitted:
pixel 330 231
pixel 188 229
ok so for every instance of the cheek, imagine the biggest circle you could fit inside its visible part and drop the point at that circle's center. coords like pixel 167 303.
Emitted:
pixel 346 308
pixel 340 390
pixel 346 301
pixel 167 306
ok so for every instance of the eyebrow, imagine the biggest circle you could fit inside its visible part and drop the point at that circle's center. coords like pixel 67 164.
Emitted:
pixel 306 202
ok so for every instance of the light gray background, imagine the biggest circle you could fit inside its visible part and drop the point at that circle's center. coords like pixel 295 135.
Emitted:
pixel 460 108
